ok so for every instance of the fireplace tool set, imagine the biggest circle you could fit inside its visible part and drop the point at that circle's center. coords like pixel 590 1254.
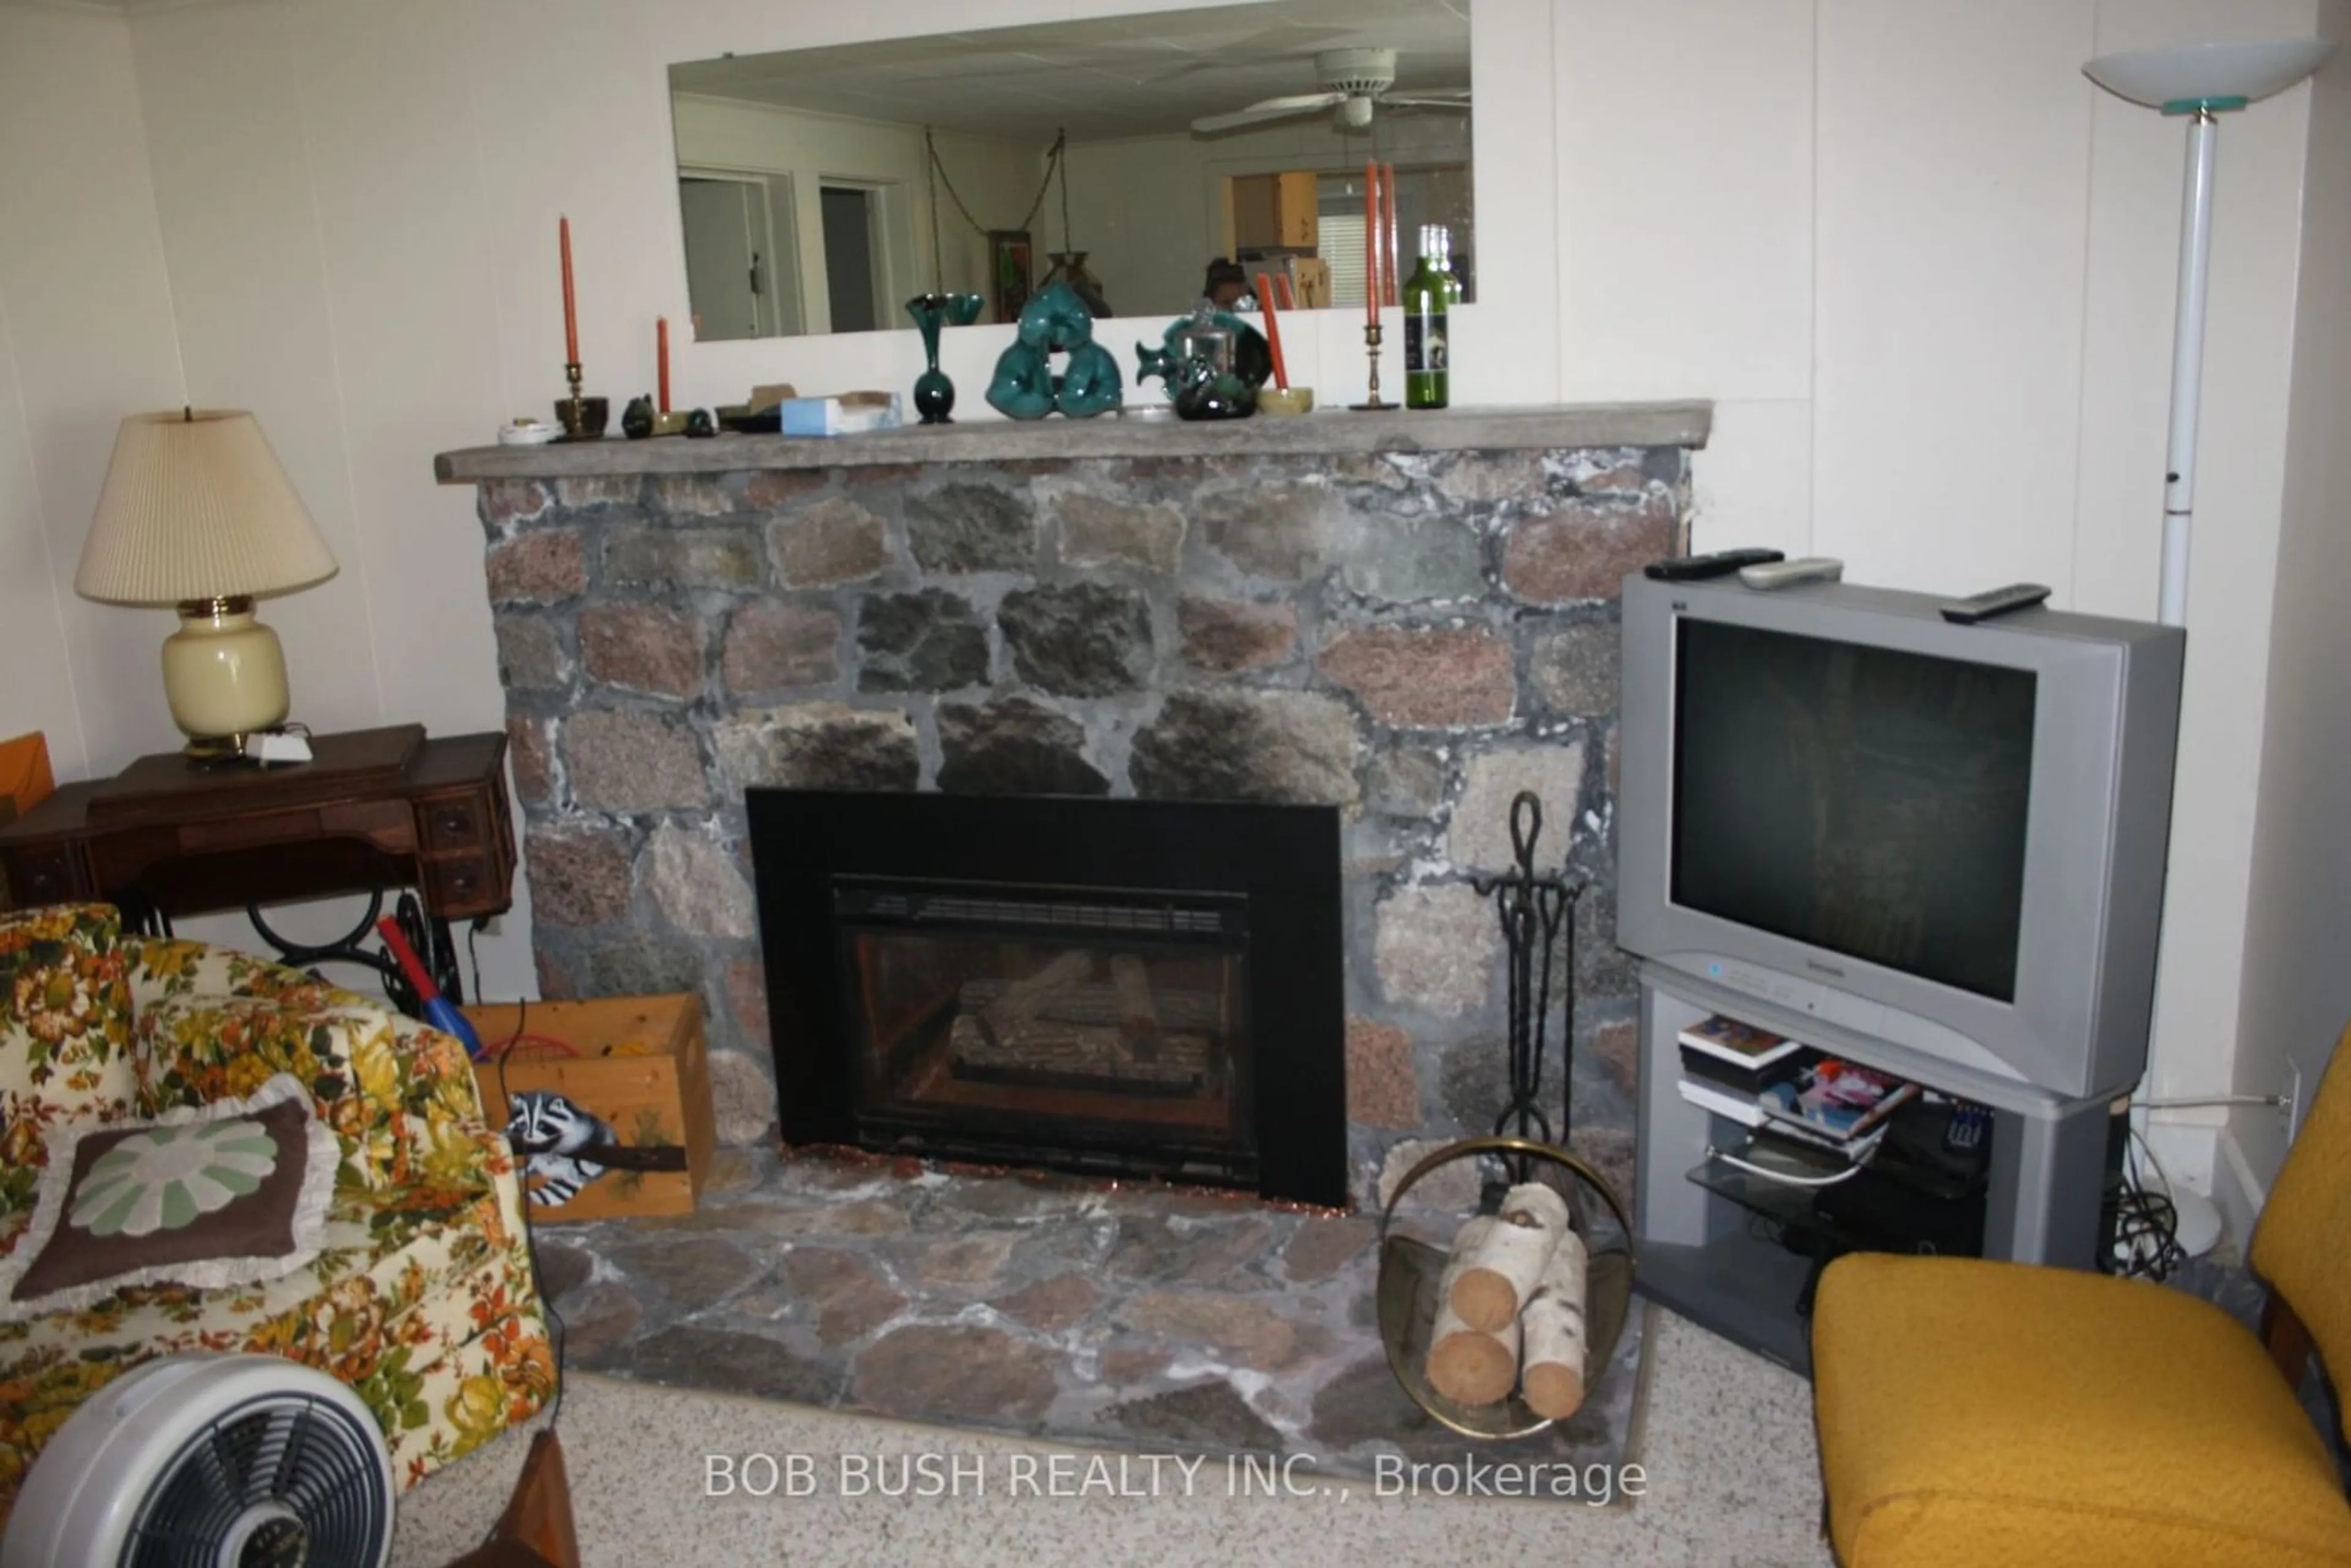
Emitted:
pixel 1537 910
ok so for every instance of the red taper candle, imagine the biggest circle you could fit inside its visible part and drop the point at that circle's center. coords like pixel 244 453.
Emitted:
pixel 1394 273
pixel 571 307
pixel 660 360
pixel 1272 329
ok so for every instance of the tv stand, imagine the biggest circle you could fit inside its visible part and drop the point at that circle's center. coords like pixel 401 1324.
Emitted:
pixel 1701 1254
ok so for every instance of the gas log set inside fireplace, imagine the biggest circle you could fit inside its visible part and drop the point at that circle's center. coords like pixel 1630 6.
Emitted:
pixel 1120 987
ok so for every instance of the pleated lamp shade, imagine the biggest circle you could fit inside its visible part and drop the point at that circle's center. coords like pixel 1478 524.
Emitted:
pixel 197 506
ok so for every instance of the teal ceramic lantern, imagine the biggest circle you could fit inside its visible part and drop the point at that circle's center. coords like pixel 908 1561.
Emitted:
pixel 1024 386
pixel 1212 362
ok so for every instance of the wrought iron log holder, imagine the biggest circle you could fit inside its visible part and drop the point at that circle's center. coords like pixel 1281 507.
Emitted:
pixel 1534 907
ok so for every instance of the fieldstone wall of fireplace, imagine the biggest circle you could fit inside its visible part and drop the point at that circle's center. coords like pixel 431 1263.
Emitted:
pixel 1412 634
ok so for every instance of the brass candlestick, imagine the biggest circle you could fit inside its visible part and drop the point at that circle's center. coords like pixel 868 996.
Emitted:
pixel 1375 403
pixel 582 418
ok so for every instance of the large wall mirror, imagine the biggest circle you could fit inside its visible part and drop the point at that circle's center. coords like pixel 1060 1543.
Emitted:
pixel 819 188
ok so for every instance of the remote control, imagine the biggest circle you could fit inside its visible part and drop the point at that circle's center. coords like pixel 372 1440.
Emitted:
pixel 1999 601
pixel 1721 563
pixel 1788 573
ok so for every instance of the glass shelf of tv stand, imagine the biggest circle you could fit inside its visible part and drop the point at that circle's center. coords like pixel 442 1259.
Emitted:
pixel 1775 1201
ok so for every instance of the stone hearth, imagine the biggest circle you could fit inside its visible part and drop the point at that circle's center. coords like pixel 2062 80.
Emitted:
pixel 1150 1318
pixel 1410 617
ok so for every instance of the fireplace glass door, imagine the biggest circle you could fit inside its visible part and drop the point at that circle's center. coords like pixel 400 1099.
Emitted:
pixel 1087 1028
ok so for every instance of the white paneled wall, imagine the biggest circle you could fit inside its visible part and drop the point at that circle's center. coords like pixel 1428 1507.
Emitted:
pixel 1923 267
pixel 85 338
pixel 1954 152
pixel 2297 990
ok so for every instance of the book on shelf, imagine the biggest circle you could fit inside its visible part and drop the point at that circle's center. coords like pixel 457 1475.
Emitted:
pixel 1748 1081
pixel 1743 1109
pixel 1740 1045
pixel 1837 1099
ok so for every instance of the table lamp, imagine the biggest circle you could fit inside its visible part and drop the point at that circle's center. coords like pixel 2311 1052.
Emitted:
pixel 198 515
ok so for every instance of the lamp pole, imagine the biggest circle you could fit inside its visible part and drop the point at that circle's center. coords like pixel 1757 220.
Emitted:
pixel 2188 366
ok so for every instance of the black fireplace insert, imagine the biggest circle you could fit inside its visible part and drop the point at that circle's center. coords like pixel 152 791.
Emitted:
pixel 1127 987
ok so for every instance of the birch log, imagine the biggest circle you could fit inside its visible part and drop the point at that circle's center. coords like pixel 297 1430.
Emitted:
pixel 1554 1335
pixel 1502 1269
pixel 1022 1000
pixel 1138 1016
pixel 1470 1367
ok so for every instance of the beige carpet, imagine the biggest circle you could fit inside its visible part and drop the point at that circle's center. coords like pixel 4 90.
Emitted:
pixel 1727 1450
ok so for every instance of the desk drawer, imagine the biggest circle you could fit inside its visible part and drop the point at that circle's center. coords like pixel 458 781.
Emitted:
pixel 458 823
pixel 386 824
pixel 459 887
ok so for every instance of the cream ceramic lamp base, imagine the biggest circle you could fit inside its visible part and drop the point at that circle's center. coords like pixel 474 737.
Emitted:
pixel 224 674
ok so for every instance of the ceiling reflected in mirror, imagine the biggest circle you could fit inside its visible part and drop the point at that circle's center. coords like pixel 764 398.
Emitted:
pixel 819 188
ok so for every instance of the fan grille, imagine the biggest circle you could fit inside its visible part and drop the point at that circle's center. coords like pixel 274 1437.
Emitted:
pixel 272 1457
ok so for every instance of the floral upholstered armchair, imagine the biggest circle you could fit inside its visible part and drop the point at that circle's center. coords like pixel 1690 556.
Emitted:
pixel 421 1296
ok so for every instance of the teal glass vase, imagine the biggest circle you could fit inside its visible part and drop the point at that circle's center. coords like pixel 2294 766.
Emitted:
pixel 933 392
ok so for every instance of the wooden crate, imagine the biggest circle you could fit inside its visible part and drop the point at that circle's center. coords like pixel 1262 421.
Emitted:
pixel 640 1071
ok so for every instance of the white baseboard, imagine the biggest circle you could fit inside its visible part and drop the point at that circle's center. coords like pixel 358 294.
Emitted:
pixel 2239 1193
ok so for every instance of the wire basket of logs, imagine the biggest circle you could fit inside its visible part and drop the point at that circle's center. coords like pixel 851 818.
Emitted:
pixel 1501 1334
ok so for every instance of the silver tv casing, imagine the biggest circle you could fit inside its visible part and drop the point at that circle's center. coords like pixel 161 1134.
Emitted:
pixel 2106 725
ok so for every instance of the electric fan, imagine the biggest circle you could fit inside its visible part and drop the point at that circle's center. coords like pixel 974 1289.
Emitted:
pixel 209 1461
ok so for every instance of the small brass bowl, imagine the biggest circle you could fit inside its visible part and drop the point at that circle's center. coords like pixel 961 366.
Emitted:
pixel 590 425
pixel 1296 400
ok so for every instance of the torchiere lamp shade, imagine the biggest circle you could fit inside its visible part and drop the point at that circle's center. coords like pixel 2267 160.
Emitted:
pixel 198 515
pixel 197 508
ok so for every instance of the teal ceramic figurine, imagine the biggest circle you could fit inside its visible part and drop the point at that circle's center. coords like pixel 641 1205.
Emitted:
pixel 1091 384
pixel 1212 362
pixel 933 392
pixel 1024 386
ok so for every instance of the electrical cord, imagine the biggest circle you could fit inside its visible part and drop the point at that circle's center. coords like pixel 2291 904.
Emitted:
pixel 1860 1155
pixel 2147 1222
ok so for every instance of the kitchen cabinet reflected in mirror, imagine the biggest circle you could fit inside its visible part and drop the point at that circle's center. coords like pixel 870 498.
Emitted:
pixel 818 189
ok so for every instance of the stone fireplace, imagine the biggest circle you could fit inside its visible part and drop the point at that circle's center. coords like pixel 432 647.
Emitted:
pixel 1403 619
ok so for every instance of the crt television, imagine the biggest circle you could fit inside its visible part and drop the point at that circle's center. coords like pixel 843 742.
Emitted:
pixel 1949 838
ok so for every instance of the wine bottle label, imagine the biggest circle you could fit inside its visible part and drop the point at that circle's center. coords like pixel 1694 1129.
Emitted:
pixel 1423 341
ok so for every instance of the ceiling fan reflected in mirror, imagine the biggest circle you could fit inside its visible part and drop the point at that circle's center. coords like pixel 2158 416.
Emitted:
pixel 1354 83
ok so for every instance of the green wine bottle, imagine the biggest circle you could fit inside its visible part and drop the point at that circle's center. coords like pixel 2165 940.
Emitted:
pixel 1427 374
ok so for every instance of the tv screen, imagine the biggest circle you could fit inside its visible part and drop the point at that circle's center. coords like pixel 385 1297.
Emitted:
pixel 1857 799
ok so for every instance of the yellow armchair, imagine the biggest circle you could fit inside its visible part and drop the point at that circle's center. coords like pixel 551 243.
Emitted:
pixel 1994 1413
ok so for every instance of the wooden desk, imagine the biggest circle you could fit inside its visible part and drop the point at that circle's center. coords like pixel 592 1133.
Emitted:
pixel 374 813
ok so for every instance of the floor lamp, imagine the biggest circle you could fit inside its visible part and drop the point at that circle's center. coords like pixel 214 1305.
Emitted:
pixel 2200 82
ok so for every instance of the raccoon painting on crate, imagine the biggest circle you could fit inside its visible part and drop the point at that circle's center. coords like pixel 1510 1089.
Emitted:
pixel 606 1103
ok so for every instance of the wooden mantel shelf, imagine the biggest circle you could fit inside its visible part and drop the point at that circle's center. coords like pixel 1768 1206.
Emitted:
pixel 1337 433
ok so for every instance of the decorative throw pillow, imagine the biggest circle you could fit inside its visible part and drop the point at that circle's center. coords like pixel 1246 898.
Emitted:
pixel 209 1196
